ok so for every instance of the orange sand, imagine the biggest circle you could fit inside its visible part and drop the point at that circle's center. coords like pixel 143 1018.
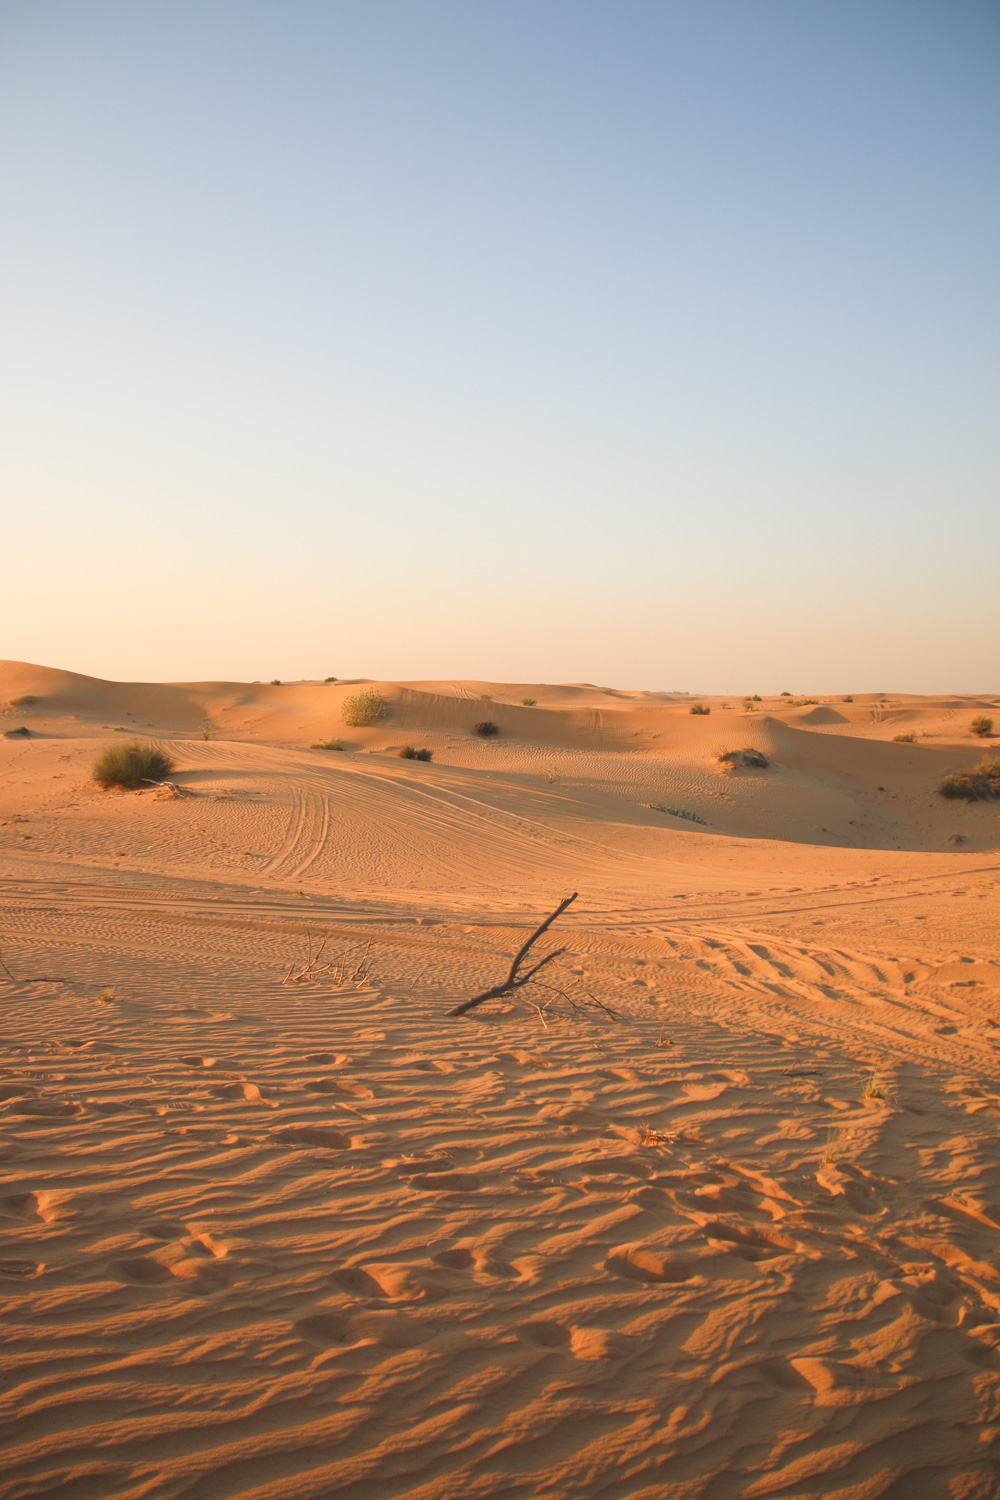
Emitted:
pixel 314 1240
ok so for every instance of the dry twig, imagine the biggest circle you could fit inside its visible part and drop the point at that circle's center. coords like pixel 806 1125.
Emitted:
pixel 341 967
pixel 514 981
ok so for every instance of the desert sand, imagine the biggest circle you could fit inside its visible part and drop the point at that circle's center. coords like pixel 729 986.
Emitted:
pixel 715 1215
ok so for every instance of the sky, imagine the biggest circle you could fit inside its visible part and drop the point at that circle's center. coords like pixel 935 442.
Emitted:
pixel 651 343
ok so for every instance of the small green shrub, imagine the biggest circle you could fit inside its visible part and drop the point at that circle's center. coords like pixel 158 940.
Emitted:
pixel 365 708
pixel 982 725
pixel 529 702
pixel 327 745
pixel 275 681
pixel 676 812
pixel 486 729
pixel 132 764
pixel 801 702
pixel 699 708
pixel 424 754
pixel 22 732
pixel 329 679
pixel 905 739
pixel 409 753
pixel 977 785
pixel 785 695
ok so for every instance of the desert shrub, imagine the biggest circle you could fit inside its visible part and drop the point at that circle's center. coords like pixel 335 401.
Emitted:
pixel 486 729
pixel 485 697
pixel 800 702
pixel 676 812
pixel 748 705
pixel 977 785
pixel 329 679
pixel 785 695
pixel 327 745
pixel 754 758
pixel 848 699
pixel 26 700
pixel 982 725
pixel 551 775
pixel 424 754
pixel 22 732
pixel 406 752
pixel 275 681
pixel 206 729
pixel 529 702
pixel 364 708
pixel 905 739
pixel 699 708
pixel 131 764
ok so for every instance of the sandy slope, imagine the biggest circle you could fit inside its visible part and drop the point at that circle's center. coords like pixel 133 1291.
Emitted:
pixel 318 1240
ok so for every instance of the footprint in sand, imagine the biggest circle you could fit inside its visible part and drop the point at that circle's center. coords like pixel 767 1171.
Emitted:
pixel 192 1060
pixel 338 1086
pixel 446 1182
pixel 313 1135
pixel 752 1244
pixel 650 1263
pixel 327 1059
pixel 390 1330
pixel 20 1269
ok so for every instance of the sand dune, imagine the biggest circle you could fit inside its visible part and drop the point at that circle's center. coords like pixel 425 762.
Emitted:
pixel 738 1239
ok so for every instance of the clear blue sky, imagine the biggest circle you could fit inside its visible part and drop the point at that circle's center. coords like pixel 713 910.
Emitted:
pixel 652 344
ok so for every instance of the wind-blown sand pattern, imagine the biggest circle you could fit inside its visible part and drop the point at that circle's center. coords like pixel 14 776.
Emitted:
pixel 314 1240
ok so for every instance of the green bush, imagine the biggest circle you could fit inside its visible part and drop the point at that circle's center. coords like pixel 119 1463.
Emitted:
pixel 327 745
pixel 982 726
pixel 699 708
pixel 131 764
pixel 409 753
pixel 275 681
pixel 329 679
pixel 363 709
pixel 982 782
pixel 529 702
pixel 486 729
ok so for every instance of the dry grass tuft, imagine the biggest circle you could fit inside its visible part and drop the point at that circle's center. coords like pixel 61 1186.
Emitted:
pixel 699 708
pixel 486 729
pixel 982 726
pixel 364 708
pixel 752 758
pixel 328 745
pixel 130 765
pixel 977 785
pixel 407 752
pixel 905 739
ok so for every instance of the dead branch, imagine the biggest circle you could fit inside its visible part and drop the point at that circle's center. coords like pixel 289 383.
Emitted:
pixel 34 978
pixel 514 981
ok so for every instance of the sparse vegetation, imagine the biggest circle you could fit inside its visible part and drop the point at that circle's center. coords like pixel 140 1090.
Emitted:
pixel 977 785
pixel 875 1090
pixel 785 695
pixel 328 745
pixel 329 679
pixel 676 812
pixel 108 995
pixel 748 705
pixel 26 700
pixel 551 775
pixel 486 697
pixel 206 729
pixel 364 709
pixel 956 838
pixel 753 758
pixel 982 726
pixel 904 739
pixel 130 765
pixel 275 681
pixel 407 752
pixel 699 708
pixel 22 732
pixel 529 702
pixel 800 702
pixel 486 729
pixel 848 699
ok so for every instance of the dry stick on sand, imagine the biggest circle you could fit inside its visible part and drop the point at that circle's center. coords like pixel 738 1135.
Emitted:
pixel 35 978
pixel 336 967
pixel 513 982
